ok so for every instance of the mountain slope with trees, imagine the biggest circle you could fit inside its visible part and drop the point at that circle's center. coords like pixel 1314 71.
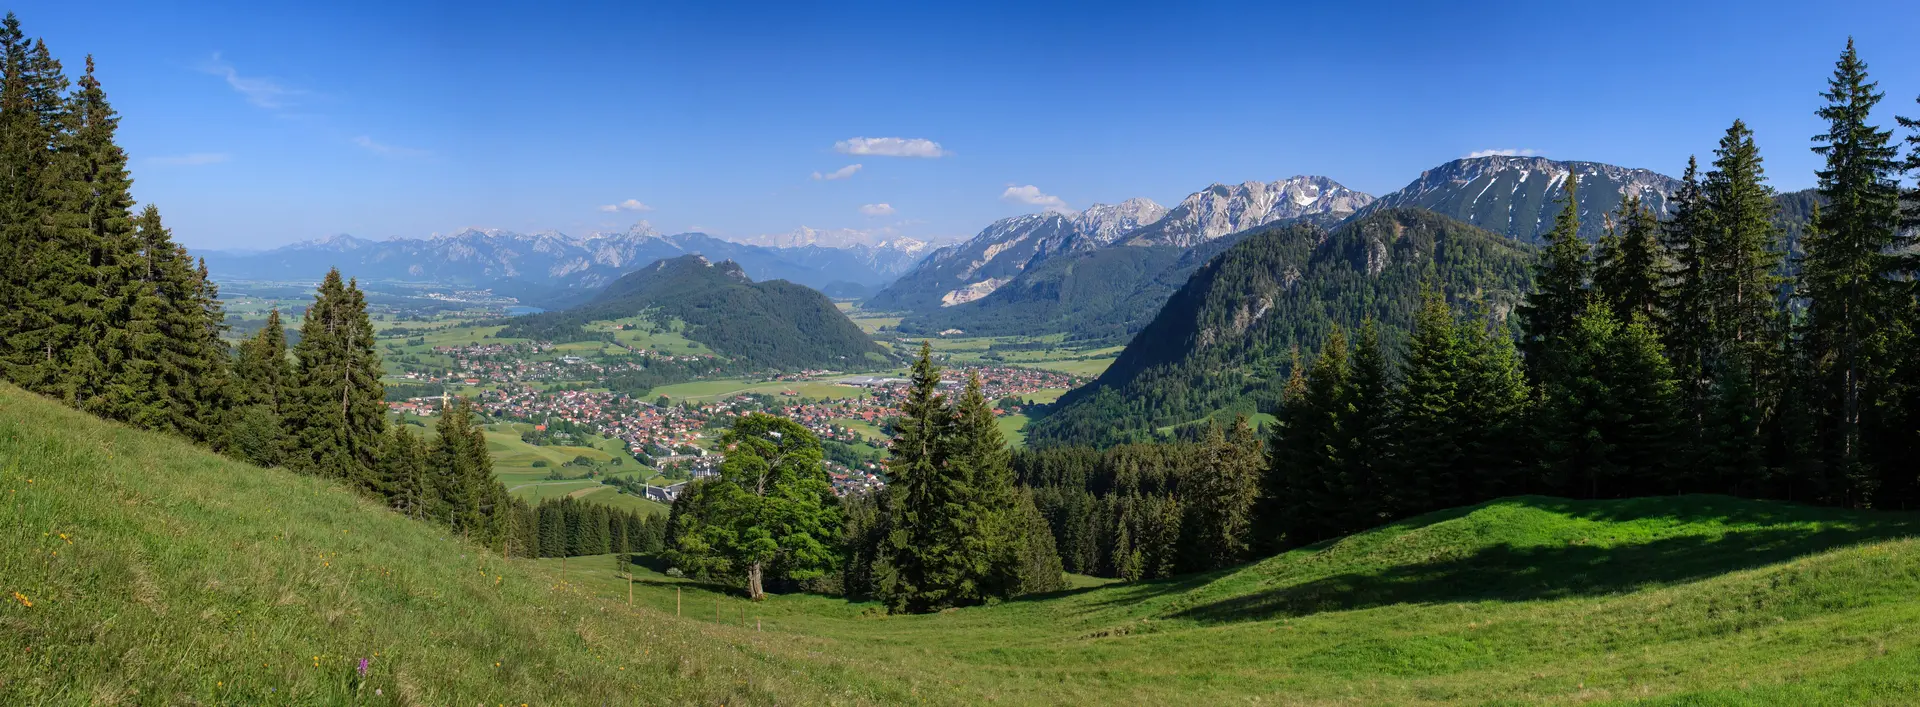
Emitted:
pixel 1225 341
pixel 773 324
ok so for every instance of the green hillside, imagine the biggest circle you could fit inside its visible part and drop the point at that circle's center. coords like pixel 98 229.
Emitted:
pixel 1224 342
pixel 772 324
pixel 136 569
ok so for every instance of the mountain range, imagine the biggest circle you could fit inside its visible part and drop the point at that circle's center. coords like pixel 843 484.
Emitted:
pixel 552 268
pixel 1095 272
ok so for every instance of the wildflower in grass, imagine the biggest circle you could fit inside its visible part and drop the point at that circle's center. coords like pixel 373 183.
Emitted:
pixel 22 598
pixel 363 667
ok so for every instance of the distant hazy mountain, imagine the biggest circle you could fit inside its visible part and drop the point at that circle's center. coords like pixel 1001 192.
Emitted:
pixel 557 264
pixel 773 324
pixel 1518 196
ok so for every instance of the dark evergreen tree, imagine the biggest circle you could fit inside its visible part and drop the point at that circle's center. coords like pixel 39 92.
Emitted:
pixel 1685 316
pixel 335 410
pixel 1430 463
pixel 1627 273
pixel 262 379
pixel 1494 405
pixel 1743 254
pixel 1853 305
pixel 919 546
pixel 1608 422
pixel 1220 498
pixel 1559 281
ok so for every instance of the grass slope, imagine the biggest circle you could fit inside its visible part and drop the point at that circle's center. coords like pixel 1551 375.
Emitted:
pixel 184 578
pixel 160 574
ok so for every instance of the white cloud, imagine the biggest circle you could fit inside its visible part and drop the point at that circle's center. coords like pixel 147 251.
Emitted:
pixel 191 159
pixel 1509 152
pixel 1031 196
pixel 890 147
pixel 379 148
pixel 841 173
pixel 876 209
pixel 628 205
pixel 265 93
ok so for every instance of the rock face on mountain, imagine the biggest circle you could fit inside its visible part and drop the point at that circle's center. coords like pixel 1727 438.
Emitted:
pixel 1519 196
pixel 1099 283
pixel 551 261
pixel 1222 209
pixel 771 324
pixel 1222 343
pixel 967 271
pixel 971 273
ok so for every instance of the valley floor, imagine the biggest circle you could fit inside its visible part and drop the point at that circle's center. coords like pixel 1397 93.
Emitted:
pixel 138 570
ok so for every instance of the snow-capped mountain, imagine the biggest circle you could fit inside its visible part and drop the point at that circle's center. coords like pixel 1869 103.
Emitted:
pixel 1221 209
pixel 967 271
pixel 551 260
pixel 970 271
pixel 1519 196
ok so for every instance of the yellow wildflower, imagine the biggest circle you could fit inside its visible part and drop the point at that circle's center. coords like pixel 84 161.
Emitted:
pixel 22 598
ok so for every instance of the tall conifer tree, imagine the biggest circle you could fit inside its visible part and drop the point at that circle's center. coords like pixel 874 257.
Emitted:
pixel 1852 303
pixel 1559 280
pixel 335 410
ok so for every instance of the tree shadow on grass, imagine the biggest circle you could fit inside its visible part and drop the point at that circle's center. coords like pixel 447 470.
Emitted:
pixel 1518 573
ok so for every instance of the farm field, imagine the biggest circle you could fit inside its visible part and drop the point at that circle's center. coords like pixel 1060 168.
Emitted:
pixel 230 584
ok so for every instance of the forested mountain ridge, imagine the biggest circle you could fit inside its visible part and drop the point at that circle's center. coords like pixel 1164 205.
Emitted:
pixel 772 324
pixel 1223 342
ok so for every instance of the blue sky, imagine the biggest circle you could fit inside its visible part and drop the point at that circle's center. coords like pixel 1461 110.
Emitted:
pixel 257 124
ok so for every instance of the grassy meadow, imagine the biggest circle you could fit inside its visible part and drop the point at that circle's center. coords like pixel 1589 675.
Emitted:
pixel 136 569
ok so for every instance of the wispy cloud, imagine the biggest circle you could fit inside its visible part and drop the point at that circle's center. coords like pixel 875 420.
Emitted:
pixel 385 150
pixel 262 92
pixel 890 147
pixel 628 205
pixel 190 159
pixel 1032 196
pixel 841 173
pixel 1508 152
pixel 876 209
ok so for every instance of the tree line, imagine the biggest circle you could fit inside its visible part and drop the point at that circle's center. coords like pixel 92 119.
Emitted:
pixel 1700 353
pixel 103 311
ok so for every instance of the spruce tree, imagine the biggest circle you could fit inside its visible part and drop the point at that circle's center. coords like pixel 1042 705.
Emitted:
pixel 66 339
pixel 1627 272
pixel 1430 464
pixel 1853 305
pixel 1608 421
pixel 917 548
pixel 1313 445
pixel 1220 498
pixel 262 378
pixel 1368 428
pixel 335 410
pixel 1494 402
pixel 1684 304
pixel 35 139
pixel 1559 282
pixel 1743 255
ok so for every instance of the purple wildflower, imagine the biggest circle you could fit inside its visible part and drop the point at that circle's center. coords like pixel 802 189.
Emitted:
pixel 363 667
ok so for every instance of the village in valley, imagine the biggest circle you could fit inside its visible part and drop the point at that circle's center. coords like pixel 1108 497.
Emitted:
pixel 560 393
